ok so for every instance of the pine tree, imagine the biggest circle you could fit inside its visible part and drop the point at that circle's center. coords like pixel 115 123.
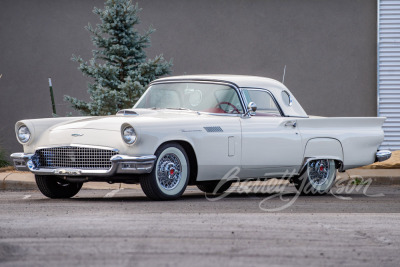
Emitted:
pixel 119 67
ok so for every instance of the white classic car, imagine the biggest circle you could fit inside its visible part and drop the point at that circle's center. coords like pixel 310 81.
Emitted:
pixel 195 130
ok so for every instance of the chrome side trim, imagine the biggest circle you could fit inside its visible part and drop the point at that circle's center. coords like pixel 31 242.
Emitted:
pixel 382 155
pixel 191 131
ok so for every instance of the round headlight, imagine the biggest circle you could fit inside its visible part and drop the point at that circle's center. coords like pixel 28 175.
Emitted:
pixel 24 134
pixel 129 135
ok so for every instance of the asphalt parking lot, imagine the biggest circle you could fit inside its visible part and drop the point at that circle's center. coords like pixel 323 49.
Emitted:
pixel 123 228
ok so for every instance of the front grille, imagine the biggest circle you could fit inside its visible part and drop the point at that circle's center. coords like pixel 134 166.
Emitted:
pixel 74 157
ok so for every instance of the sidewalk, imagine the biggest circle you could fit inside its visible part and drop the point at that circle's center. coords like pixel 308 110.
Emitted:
pixel 25 180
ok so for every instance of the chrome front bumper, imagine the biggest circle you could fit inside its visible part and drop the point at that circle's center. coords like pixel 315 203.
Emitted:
pixel 382 155
pixel 121 164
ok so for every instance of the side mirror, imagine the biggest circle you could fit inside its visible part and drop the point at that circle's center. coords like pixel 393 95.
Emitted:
pixel 252 107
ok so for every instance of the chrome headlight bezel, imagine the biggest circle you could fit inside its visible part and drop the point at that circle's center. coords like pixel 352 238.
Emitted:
pixel 128 134
pixel 23 130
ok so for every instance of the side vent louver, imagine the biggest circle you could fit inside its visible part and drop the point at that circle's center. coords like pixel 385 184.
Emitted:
pixel 213 129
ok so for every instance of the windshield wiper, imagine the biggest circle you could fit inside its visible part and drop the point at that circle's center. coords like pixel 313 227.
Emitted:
pixel 180 109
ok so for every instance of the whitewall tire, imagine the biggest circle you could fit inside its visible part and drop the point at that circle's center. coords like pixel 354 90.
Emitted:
pixel 170 175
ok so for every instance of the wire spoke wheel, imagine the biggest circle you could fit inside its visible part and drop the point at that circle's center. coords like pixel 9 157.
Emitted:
pixel 318 178
pixel 170 175
pixel 169 171
pixel 318 172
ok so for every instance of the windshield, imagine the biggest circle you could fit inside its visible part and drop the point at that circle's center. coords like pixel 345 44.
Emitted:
pixel 206 97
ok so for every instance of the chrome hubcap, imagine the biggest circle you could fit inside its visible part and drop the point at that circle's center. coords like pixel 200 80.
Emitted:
pixel 169 171
pixel 318 171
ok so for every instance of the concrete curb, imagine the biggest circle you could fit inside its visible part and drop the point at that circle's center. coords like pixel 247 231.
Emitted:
pixel 378 176
pixel 17 181
pixel 26 180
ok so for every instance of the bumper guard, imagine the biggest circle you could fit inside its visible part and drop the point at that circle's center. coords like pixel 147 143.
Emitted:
pixel 382 155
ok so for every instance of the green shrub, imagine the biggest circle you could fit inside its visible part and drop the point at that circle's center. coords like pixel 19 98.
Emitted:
pixel 4 160
pixel 119 68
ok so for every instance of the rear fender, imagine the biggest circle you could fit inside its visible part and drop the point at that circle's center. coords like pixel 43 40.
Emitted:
pixel 323 148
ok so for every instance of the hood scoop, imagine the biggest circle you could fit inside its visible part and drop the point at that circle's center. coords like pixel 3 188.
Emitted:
pixel 126 112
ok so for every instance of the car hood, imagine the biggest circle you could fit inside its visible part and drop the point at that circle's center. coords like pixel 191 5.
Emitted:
pixel 135 117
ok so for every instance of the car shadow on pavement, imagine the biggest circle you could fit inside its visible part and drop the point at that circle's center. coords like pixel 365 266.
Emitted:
pixel 208 197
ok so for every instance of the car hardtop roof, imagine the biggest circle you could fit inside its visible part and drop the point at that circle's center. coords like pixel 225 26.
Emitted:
pixel 239 80
pixel 245 81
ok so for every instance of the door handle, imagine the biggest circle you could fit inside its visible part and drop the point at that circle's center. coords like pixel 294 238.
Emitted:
pixel 291 123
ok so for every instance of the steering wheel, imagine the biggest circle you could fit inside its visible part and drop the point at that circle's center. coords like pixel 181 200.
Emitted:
pixel 229 104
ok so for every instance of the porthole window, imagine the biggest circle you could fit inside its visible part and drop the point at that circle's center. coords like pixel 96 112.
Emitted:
pixel 287 99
